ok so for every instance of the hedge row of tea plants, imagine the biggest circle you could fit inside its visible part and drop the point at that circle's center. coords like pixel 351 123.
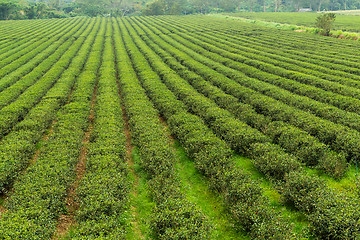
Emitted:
pixel 308 48
pixel 15 49
pixel 57 63
pixel 174 217
pixel 19 145
pixel 271 159
pixel 29 42
pixel 340 138
pixel 276 75
pixel 27 60
pixel 22 69
pixel 288 60
pixel 103 191
pixel 336 94
pixel 307 148
pixel 38 198
pixel 11 28
pixel 11 31
pixel 322 110
pixel 12 92
pixel 287 57
pixel 212 156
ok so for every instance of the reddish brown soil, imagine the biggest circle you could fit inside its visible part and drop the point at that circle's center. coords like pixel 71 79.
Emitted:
pixel 66 221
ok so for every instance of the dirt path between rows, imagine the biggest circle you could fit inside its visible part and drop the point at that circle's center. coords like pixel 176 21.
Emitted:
pixel 66 221
pixel 130 162
pixel 167 131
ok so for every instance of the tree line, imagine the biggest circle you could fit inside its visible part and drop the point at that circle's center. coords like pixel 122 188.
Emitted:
pixel 178 7
pixel 36 9
pixel 33 9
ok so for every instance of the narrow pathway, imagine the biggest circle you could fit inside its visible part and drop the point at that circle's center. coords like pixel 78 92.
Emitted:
pixel 130 162
pixel 43 139
pixel 134 194
pixel 166 128
pixel 66 221
pixel 299 219
pixel 2 208
pixel 198 191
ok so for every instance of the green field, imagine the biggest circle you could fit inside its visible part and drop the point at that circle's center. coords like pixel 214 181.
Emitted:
pixel 344 20
pixel 171 127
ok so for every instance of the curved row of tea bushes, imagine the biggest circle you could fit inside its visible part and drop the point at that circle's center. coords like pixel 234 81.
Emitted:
pixel 274 75
pixel 225 125
pixel 304 84
pixel 340 138
pixel 322 110
pixel 307 148
pixel 10 29
pixel 332 214
pixel 36 67
pixel 18 146
pixel 39 195
pixel 17 110
pixel 272 42
pixel 329 46
pixel 16 49
pixel 12 48
pixel 307 73
pixel 103 191
pixel 23 68
pixel 266 48
pixel 212 155
pixel 27 60
pixel 324 50
pixel 288 60
pixel 221 121
pixel 174 217
pixel 11 93
pixel 272 157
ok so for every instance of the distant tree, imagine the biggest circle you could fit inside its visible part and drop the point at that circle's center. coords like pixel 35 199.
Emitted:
pixel 154 8
pixel 325 22
pixel 41 10
pixel 201 6
pixel 93 8
pixel 251 4
pixel 168 7
pixel 119 7
pixel 6 8
pixel 228 5
pixel 321 3
pixel 30 12
pixel 277 5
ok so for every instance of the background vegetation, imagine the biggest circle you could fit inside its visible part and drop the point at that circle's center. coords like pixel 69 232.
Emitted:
pixel 343 22
pixel 33 9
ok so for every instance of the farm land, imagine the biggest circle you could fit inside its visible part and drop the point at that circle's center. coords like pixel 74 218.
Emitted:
pixel 171 127
pixel 345 20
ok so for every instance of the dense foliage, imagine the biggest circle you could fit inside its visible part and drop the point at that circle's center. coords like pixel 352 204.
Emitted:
pixel 160 7
pixel 30 9
pixel 325 22
pixel 76 95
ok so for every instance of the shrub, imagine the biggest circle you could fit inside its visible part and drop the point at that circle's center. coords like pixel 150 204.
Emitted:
pixel 325 22
pixel 271 160
pixel 303 191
